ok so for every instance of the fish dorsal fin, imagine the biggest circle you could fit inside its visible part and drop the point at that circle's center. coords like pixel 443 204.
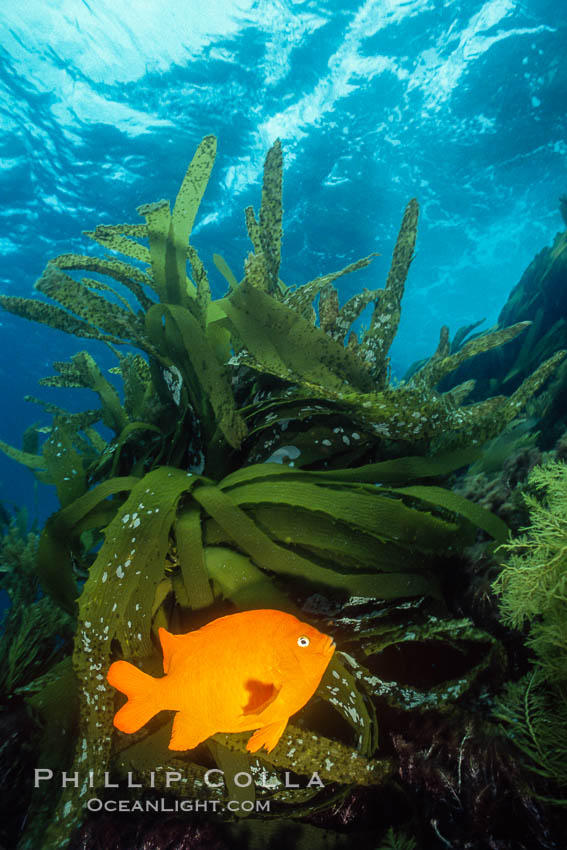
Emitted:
pixel 169 644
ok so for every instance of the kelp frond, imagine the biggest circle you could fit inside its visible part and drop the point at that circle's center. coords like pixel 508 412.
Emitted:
pixel 194 344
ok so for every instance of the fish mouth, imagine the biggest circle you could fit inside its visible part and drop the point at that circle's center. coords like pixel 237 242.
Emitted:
pixel 331 645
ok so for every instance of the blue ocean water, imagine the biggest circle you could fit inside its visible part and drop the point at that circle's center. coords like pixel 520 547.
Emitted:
pixel 460 103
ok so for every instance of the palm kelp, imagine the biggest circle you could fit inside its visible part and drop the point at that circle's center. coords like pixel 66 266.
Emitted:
pixel 186 512
pixel 189 383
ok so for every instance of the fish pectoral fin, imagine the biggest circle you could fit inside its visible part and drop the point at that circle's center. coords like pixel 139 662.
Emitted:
pixel 186 734
pixel 261 695
pixel 267 737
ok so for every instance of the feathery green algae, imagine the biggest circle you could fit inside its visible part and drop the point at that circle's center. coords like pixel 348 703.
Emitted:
pixel 531 587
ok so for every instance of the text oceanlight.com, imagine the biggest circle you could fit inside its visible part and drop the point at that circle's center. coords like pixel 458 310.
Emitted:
pixel 95 804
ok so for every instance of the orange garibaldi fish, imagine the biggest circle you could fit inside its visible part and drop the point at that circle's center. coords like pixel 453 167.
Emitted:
pixel 246 671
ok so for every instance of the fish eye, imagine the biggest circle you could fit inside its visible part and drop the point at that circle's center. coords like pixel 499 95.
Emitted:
pixel 303 641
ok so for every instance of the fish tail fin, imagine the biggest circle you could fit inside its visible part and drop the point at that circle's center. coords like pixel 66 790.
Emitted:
pixel 142 693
